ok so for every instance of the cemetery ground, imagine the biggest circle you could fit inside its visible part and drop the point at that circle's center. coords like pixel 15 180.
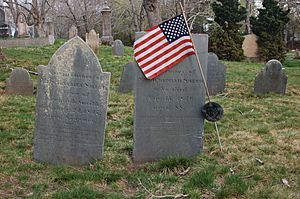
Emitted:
pixel 260 135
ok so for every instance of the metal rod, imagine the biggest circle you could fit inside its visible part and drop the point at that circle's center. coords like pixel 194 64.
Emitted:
pixel 218 135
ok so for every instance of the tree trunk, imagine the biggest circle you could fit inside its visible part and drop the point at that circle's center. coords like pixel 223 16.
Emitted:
pixel 134 15
pixel 249 9
pixel 152 9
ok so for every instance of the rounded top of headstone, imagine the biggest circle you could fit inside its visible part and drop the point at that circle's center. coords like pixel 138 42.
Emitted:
pixel 92 32
pixel 19 75
pixel 273 66
pixel 212 56
pixel 118 42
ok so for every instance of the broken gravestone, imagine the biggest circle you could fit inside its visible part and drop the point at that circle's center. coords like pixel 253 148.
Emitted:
pixel 71 107
pixel 216 75
pixel 127 78
pixel 19 83
pixel 271 79
pixel 168 119
pixel 118 48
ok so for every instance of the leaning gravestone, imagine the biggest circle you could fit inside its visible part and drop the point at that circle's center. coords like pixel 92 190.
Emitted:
pixel 271 79
pixel 127 78
pixel 71 107
pixel 19 83
pixel 92 39
pixel 118 48
pixel 168 119
pixel 216 75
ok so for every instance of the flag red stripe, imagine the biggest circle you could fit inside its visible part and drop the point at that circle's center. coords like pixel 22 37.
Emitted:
pixel 170 66
pixel 150 29
pixel 167 59
pixel 149 46
pixel 153 52
pixel 147 39
pixel 164 53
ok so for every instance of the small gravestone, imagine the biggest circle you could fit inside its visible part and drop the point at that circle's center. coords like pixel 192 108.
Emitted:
pixel 216 75
pixel 92 40
pixel 168 119
pixel 271 79
pixel 127 78
pixel 71 107
pixel 118 48
pixel 250 47
pixel 19 83
pixel 51 39
pixel 73 32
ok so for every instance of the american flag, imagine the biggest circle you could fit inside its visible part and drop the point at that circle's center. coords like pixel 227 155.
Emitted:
pixel 163 47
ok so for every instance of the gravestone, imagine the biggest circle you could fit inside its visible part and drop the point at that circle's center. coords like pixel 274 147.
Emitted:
pixel 168 119
pixel 107 38
pixel 73 32
pixel 118 48
pixel 19 83
pixel 2 17
pixel 92 39
pixel 127 78
pixel 250 47
pixel 51 39
pixel 22 29
pixel 216 75
pixel 271 79
pixel 71 107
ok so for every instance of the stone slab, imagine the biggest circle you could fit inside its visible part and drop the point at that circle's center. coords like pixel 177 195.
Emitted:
pixel 127 78
pixel 168 119
pixel 271 79
pixel 24 42
pixel 19 83
pixel 93 40
pixel 72 99
pixel 118 48
pixel 216 75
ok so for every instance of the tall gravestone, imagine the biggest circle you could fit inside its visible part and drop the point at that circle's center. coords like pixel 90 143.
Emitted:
pixel 271 79
pixel 22 26
pixel 92 40
pixel 216 75
pixel 19 83
pixel 127 78
pixel 73 32
pixel 168 119
pixel 118 48
pixel 71 107
pixel 107 38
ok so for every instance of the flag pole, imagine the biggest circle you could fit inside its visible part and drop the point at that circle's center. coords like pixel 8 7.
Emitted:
pixel 197 57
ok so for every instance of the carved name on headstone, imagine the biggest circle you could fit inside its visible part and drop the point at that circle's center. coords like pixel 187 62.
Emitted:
pixel 92 39
pixel 127 78
pixel 71 107
pixel 271 79
pixel 168 119
pixel 118 48
pixel 19 82
pixel 216 75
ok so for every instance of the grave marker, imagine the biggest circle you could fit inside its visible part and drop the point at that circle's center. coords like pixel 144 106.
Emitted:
pixel 71 107
pixel 19 83
pixel 127 78
pixel 271 79
pixel 92 40
pixel 118 48
pixel 168 119
pixel 73 32
pixel 216 75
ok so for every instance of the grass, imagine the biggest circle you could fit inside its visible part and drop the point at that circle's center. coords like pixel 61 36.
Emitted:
pixel 254 126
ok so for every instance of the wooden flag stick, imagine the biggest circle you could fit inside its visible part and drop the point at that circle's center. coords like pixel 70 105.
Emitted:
pixel 197 57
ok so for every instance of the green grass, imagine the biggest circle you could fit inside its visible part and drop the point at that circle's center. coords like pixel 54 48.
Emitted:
pixel 254 126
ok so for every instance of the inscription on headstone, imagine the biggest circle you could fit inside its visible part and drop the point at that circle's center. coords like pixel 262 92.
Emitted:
pixel 168 119
pixel 92 39
pixel 71 107
pixel 118 48
pixel 271 79
pixel 216 75
pixel 19 82
pixel 127 78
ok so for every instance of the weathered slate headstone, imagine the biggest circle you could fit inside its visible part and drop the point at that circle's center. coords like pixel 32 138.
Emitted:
pixel 71 107
pixel 250 47
pixel 216 75
pixel 127 78
pixel 19 83
pixel 2 17
pixel 271 79
pixel 92 39
pixel 168 119
pixel 73 32
pixel 118 48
